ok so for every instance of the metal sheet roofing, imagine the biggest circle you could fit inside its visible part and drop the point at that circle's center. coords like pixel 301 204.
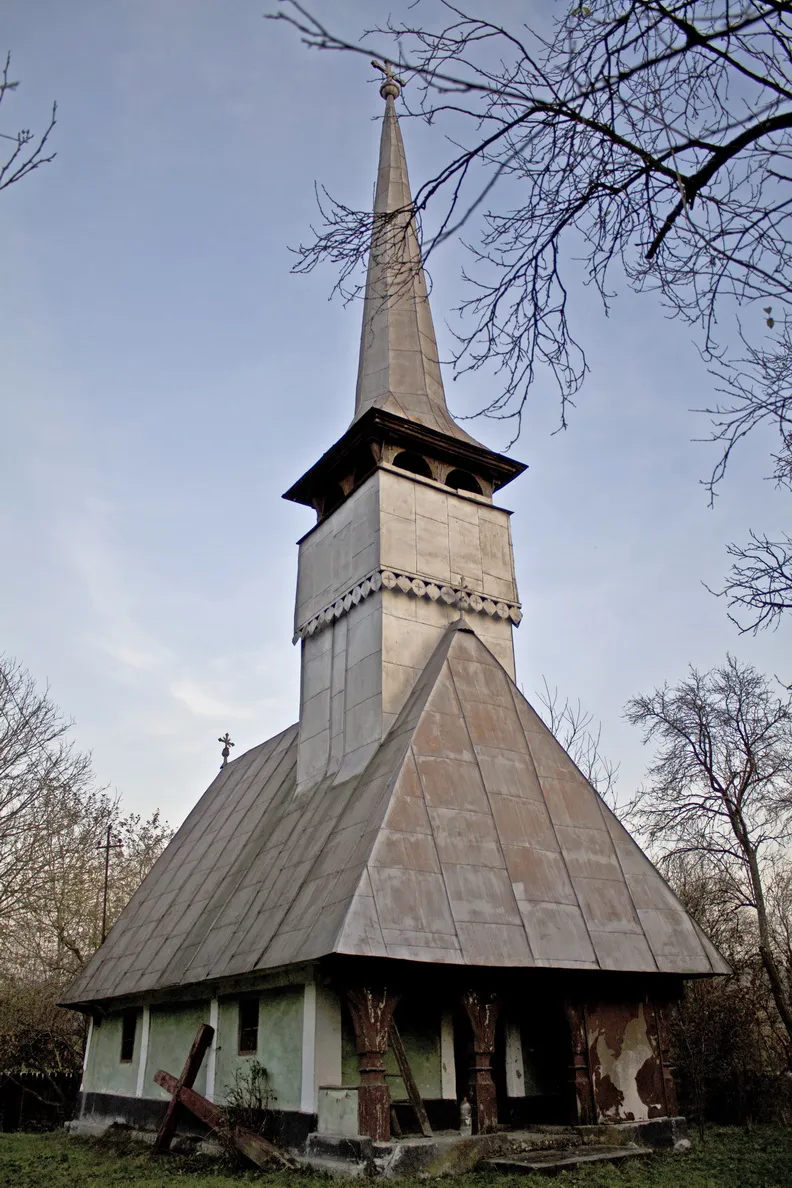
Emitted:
pixel 471 838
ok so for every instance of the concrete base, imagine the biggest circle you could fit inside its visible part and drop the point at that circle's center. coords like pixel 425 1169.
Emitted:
pixel 453 1154
pixel 552 1163
pixel 97 1114
pixel 350 1156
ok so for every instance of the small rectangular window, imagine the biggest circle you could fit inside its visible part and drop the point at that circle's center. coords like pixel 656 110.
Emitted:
pixel 248 1026
pixel 128 1028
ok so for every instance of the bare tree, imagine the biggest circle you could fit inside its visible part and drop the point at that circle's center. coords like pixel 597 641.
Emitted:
pixel 757 390
pixel 57 925
pixel 580 736
pixel 43 780
pixel 730 1047
pixel 720 793
pixel 648 136
pixel 29 148
pixel 759 581
pixel 53 818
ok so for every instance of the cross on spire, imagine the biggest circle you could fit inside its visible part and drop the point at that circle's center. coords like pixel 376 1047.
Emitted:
pixel 227 745
pixel 392 84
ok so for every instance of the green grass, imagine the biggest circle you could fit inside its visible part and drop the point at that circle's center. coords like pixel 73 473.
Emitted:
pixel 730 1158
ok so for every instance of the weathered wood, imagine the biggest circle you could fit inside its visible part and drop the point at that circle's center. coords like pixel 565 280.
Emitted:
pixel 396 1129
pixel 203 1109
pixel 200 1046
pixel 580 1090
pixel 416 1101
pixel 256 1148
pixel 372 1009
pixel 482 1011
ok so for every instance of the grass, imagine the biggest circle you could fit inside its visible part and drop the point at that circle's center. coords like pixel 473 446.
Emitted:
pixel 729 1158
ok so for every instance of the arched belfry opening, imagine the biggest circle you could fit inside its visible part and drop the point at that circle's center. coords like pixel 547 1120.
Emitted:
pixel 463 480
pixel 412 462
pixel 333 498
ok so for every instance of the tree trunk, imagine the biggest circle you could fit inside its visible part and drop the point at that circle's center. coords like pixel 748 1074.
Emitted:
pixel 783 1006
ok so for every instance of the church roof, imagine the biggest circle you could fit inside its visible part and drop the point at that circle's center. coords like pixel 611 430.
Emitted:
pixel 471 838
pixel 399 368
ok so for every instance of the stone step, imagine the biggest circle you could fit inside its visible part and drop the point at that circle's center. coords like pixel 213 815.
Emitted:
pixel 340 1169
pixel 550 1163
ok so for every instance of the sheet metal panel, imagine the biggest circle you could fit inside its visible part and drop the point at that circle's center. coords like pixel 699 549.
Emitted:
pixel 471 837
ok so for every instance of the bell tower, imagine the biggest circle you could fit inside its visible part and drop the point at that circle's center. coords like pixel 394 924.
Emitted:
pixel 407 537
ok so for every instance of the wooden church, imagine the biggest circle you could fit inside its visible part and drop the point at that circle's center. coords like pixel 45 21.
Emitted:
pixel 416 861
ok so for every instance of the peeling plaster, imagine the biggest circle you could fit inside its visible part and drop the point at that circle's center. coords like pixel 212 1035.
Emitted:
pixel 624 1066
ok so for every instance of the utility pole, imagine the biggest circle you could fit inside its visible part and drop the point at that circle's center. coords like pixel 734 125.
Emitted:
pixel 107 846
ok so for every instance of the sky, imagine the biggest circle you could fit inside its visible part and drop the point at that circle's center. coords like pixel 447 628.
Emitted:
pixel 164 378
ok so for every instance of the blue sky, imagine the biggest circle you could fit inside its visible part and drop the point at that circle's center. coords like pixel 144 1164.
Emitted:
pixel 164 380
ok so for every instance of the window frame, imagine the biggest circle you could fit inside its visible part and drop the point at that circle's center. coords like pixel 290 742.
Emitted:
pixel 247 1004
pixel 129 1020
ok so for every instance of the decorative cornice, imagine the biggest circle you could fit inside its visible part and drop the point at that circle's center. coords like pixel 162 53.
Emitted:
pixel 459 596
pixel 378 425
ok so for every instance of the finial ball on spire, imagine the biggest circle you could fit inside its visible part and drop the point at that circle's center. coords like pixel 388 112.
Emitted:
pixel 392 85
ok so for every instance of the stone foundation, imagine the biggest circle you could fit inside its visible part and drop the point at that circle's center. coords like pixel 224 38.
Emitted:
pixel 97 1113
pixel 353 1156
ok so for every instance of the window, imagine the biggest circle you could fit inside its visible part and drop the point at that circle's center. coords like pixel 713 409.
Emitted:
pixel 248 1026
pixel 412 462
pixel 460 480
pixel 128 1028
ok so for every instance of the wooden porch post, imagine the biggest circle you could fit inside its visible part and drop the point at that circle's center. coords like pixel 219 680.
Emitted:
pixel 579 1087
pixel 372 1013
pixel 482 1011
pixel 661 1010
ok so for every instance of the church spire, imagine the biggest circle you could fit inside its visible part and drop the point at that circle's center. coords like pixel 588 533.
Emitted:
pixel 399 369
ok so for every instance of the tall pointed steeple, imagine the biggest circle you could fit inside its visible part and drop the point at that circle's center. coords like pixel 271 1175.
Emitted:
pixel 407 537
pixel 401 416
pixel 399 368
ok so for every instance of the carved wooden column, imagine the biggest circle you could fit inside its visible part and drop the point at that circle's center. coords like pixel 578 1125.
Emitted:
pixel 372 1013
pixel 661 1012
pixel 482 1010
pixel 580 1089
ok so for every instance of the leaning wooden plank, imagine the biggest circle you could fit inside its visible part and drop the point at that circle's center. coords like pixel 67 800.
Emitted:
pixel 256 1148
pixel 200 1046
pixel 203 1109
pixel 409 1080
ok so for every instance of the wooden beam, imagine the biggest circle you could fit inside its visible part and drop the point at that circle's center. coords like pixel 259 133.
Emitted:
pixel 200 1046
pixel 256 1148
pixel 482 1011
pixel 416 1101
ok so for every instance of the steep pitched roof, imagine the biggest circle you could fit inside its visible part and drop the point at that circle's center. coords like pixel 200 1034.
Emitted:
pixel 471 838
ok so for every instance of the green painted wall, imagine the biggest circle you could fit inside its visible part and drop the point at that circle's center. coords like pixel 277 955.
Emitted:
pixel 227 1062
pixel 172 1031
pixel 350 1069
pixel 420 1035
pixel 279 1046
pixel 280 1043
pixel 105 1073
